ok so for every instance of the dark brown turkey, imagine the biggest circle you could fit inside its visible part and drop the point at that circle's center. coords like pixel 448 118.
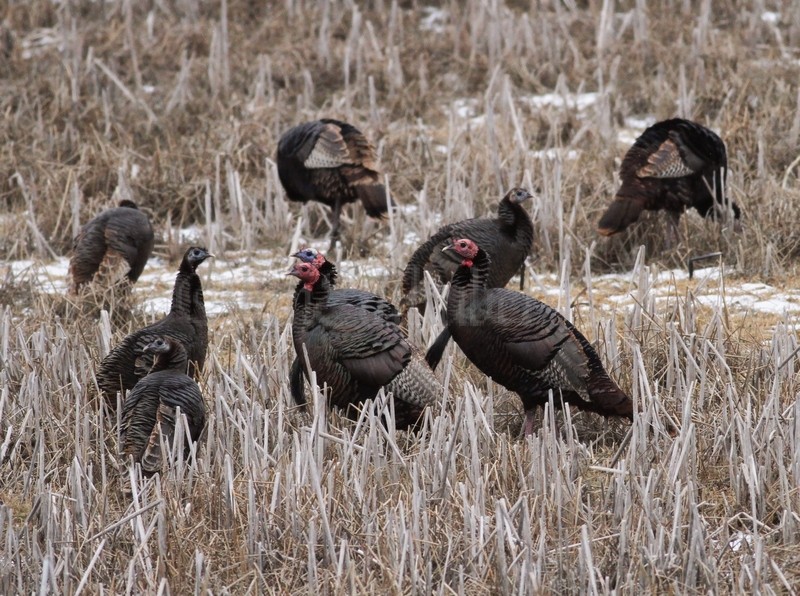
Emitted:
pixel 333 163
pixel 149 414
pixel 525 345
pixel 356 352
pixel 360 298
pixel 116 243
pixel 186 322
pixel 509 234
pixel 673 165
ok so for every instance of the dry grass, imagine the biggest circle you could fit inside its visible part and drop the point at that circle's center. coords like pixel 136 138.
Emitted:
pixel 179 105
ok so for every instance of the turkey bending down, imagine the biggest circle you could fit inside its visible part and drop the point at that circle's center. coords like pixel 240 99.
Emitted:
pixel 186 322
pixel 331 162
pixel 117 243
pixel 356 352
pixel 673 165
pixel 150 411
pixel 360 298
pixel 525 345
pixel 510 234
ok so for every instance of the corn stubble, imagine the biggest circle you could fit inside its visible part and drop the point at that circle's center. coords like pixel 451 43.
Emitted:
pixel 181 108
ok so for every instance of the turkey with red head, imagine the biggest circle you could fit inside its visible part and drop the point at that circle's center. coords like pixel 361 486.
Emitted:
pixel 356 352
pixel 525 345
pixel 355 297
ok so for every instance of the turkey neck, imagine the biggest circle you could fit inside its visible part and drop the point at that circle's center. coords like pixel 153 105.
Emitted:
pixel 467 282
pixel 187 297
pixel 309 304
pixel 515 220
pixel 175 359
pixel 328 270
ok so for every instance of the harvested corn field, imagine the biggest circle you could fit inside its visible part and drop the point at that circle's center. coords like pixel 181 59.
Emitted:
pixel 179 107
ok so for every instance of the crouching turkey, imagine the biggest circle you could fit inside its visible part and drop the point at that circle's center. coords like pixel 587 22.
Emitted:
pixel 356 351
pixel 525 345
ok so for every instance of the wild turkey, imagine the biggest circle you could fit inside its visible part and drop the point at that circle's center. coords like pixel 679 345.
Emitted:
pixel 149 412
pixel 117 238
pixel 673 165
pixel 525 345
pixel 509 234
pixel 333 163
pixel 360 298
pixel 186 322
pixel 356 352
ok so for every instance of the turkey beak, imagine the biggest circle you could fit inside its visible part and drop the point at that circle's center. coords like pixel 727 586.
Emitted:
pixel 448 247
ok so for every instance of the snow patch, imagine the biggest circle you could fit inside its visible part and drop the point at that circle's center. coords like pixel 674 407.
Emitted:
pixel 739 539
pixel 465 107
pixel 554 154
pixel 577 101
pixel 633 127
pixel 41 41
pixel 434 19
pixel 191 234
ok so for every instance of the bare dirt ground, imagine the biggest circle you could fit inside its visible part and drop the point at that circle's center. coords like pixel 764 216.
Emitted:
pixel 179 105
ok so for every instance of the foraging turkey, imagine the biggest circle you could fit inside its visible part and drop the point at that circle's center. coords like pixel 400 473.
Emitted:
pixel 186 322
pixel 509 234
pixel 116 239
pixel 356 352
pixel 360 298
pixel 149 413
pixel 333 163
pixel 525 345
pixel 673 165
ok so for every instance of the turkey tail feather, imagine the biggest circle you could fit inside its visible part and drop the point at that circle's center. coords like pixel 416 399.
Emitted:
pixel 373 198
pixel 620 214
